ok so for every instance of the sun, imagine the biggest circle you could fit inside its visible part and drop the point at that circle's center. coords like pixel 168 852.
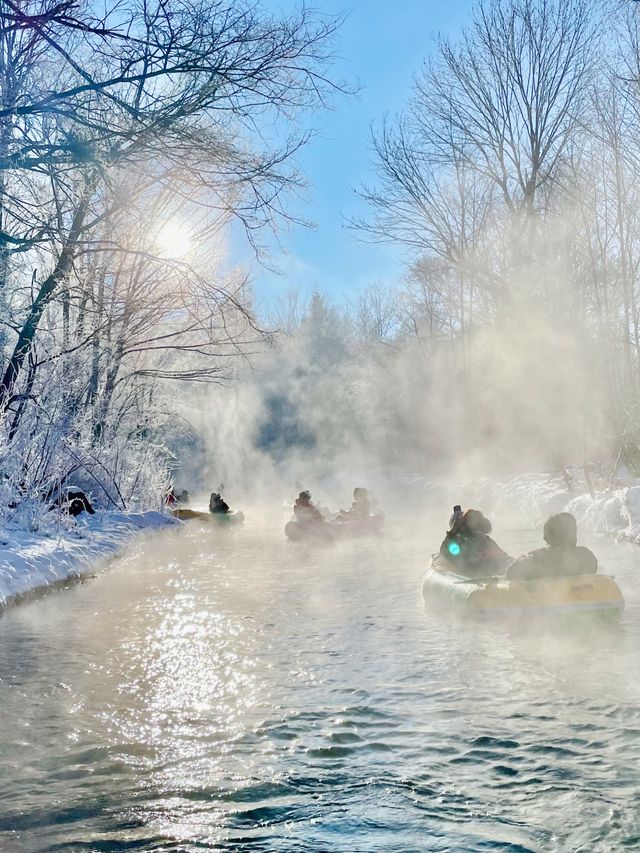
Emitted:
pixel 173 240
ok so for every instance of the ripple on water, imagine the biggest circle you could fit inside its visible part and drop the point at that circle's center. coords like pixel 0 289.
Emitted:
pixel 224 694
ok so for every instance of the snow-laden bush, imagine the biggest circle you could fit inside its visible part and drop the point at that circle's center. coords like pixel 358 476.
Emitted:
pixel 57 445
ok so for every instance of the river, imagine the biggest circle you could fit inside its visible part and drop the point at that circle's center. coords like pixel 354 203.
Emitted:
pixel 229 690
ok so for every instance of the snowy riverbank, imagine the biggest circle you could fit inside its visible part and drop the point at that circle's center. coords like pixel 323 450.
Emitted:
pixel 31 561
pixel 614 512
pixel 531 497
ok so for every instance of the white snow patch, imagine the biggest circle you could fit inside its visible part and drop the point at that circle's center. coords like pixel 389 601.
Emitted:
pixel 533 497
pixel 613 513
pixel 33 560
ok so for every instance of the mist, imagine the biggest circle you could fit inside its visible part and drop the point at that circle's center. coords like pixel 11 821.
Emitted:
pixel 289 676
pixel 508 341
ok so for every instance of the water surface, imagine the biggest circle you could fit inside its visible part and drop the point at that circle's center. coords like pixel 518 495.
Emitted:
pixel 228 690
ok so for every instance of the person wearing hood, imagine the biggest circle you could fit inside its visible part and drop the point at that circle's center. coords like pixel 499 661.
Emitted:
pixel 360 508
pixel 306 511
pixel 217 504
pixel 561 557
pixel 468 548
pixel 73 501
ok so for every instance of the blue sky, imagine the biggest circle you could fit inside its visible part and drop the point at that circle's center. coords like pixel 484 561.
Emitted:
pixel 381 44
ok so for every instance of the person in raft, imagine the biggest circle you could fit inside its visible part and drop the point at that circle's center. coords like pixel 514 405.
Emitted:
pixel 217 504
pixel 468 548
pixel 360 508
pixel 305 511
pixel 562 555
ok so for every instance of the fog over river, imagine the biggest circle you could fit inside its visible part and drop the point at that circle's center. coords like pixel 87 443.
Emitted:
pixel 229 690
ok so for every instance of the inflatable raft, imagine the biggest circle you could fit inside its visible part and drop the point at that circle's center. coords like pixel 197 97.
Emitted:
pixel 332 530
pixel 309 531
pixel 355 529
pixel 214 517
pixel 597 595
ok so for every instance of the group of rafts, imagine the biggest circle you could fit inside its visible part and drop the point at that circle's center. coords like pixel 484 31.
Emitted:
pixel 308 522
pixel 470 570
pixel 219 510
pixel 312 522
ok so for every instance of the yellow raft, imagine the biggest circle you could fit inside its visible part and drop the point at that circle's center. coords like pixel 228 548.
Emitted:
pixel 186 514
pixel 597 595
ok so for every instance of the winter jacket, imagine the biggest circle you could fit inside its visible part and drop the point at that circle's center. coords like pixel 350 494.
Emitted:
pixel 554 561
pixel 220 506
pixel 478 554
pixel 306 511
pixel 360 510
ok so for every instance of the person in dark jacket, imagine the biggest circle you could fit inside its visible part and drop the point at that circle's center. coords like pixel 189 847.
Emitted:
pixel 305 511
pixel 562 556
pixel 217 504
pixel 469 549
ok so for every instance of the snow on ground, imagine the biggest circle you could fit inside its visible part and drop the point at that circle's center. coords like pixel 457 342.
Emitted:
pixel 615 513
pixel 533 497
pixel 68 549
pixel 612 512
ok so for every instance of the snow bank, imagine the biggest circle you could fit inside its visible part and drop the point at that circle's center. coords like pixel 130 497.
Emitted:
pixel 612 512
pixel 615 513
pixel 529 496
pixel 534 497
pixel 30 561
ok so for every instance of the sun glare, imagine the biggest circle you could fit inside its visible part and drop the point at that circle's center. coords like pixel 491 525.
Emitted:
pixel 173 240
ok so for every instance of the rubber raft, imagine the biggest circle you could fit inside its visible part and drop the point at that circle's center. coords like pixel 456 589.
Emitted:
pixel 332 530
pixel 596 595
pixel 215 517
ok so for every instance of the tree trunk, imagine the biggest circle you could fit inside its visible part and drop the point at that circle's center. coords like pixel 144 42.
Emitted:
pixel 48 287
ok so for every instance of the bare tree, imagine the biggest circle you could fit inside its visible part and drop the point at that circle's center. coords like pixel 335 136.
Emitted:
pixel 149 84
pixel 374 315
pixel 492 114
pixel 508 97
pixel 287 313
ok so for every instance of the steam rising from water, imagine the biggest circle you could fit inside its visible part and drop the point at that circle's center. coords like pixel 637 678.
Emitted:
pixel 510 342
pixel 325 407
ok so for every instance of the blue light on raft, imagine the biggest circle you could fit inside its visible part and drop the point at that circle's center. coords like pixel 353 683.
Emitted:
pixel 453 548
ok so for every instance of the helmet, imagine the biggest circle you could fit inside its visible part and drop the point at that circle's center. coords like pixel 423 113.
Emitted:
pixel 475 521
pixel 561 530
pixel 304 496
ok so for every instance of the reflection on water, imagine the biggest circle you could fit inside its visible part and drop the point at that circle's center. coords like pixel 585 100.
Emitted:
pixel 229 690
